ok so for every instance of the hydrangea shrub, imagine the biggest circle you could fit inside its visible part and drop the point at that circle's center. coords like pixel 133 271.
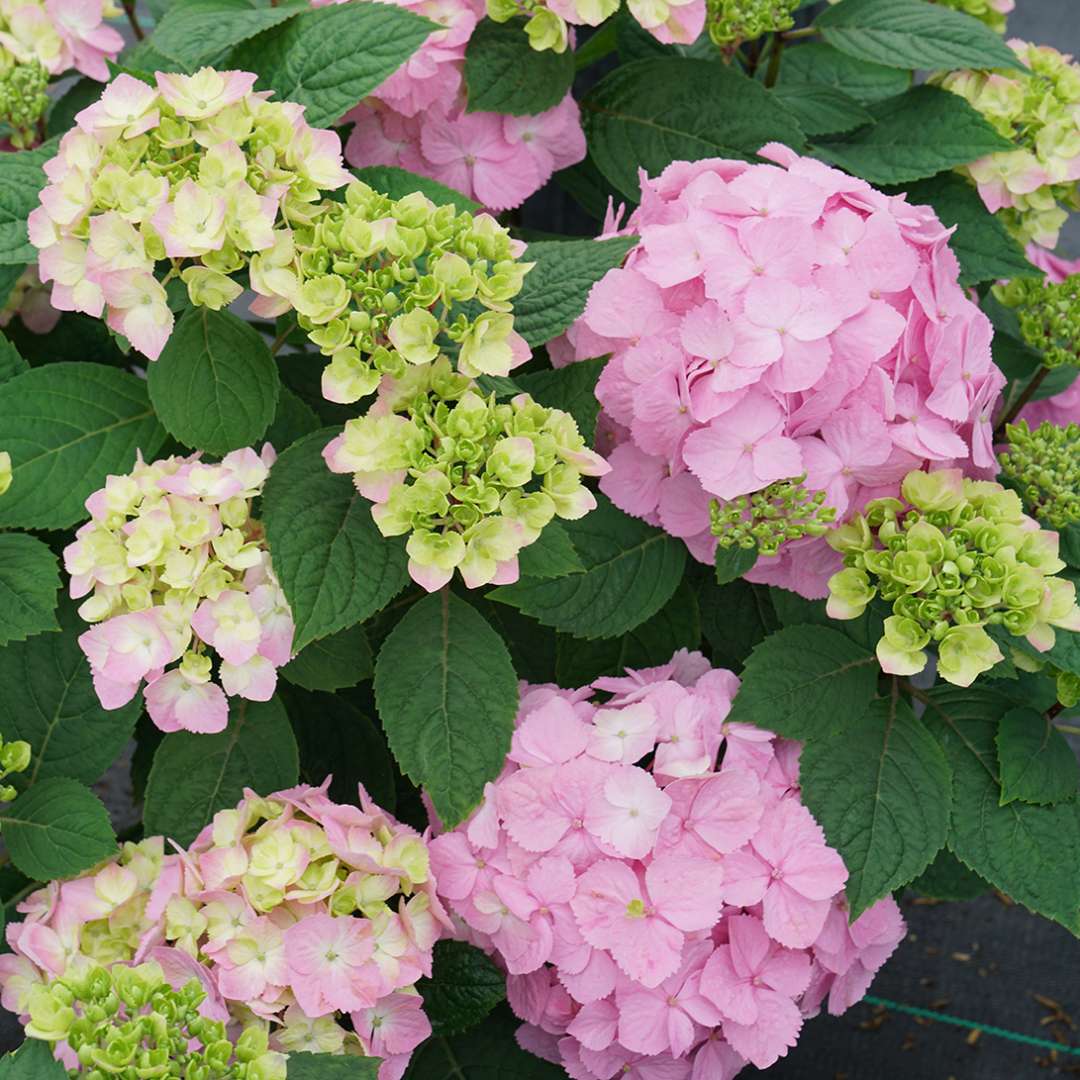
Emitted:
pixel 562 517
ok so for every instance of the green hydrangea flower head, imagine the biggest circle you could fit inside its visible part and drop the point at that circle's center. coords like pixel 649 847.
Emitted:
pixel 952 557
pixel 731 22
pixel 129 1023
pixel 1044 466
pixel 381 285
pixel 770 518
pixel 469 479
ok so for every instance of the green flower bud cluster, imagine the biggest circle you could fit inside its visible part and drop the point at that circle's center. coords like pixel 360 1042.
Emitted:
pixel 470 480
pixel 1044 466
pixel 953 557
pixel 769 518
pixel 23 101
pixel 14 758
pixel 383 284
pixel 1049 316
pixel 128 1023
pixel 731 22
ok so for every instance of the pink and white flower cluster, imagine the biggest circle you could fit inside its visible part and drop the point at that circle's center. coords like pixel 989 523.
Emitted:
pixel 61 35
pixel 200 170
pixel 673 919
pixel 416 120
pixel 780 320
pixel 178 570
pixel 291 909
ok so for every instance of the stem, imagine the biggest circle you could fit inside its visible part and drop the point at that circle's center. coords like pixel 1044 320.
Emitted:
pixel 773 72
pixel 282 338
pixel 1069 729
pixel 1054 709
pixel 1021 401
pixel 795 35
pixel 136 29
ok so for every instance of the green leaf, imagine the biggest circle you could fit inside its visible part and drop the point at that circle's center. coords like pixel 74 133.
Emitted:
pixel 533 647
pixel 947 878
pixel 1065 654
pixel 464 987
pixel 557 287
pixel 397 183
pixel 650 113
pixel 821 64
pixel 336 737
pixel 32 1061
pixel 215 385
pixel 67 427
pixel 735 618
pixel 195 776
pixel 332 1067
pixel 913 34
pixel 29 582
pixel 795 610
pixel 1037 763
pixel 985 248
pixel 21 179
pixel 572 389
pixel 505 74
pixel 293 420
pixel 9 275
pixel 677 625
pixel 822 110
pixel 51 703
pixel 333 663
pixel 11 363
pixel 551 556
pixel 733 562
pixel 917 134
pixel 331 58
pixel 489 1052
pixel 806 681
pixel 182 33
pixel 447 695
pixel 1031 853
pixel 334 565
pixel 880 789
pixel 631 571
pixel 57 829
pixel 634 42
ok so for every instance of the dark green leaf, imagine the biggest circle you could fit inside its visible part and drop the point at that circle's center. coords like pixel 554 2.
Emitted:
pixel 9 275
pixel 631 571
pixel 397 183
pixel 947 878
pixel 652 112
pixel 1037 763
pixel 572 389
pixel 913 34
pixel 795 610
pixel 918 134
pixel 182 33
pixel 505 74
pixel 333 662
pixel 67 427
pixel 447 695
pixel 465 986
pixel 332 1067
pixel 557 287
pixel 215 385
pixel 21 179
pixel 821 64
pixel 195 776
pixel 805 682
pixel 735 618
pixel 533 647
pixel 822 110
pixel 57 829
pixel 51 703
pixel 551 556
pixel 29 582
pixel 733 562
pixel 11 363
pixel 32 1061
pixel 880 789
pixel 335 567
pixel 293 420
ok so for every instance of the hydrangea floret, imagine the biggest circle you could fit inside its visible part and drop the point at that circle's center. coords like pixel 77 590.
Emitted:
pixel 5 471
pixel 381 285
pixel 128 1022
pixel 314 918
pixel 768 519
pixel 178 573
pixel 29 300
pixel 1033 187
pixel 731 22
pixel 657 913
pixel 953 557
pixel 1044 466
pixel 14 758
pixel 199 170
pixel 1049 316
pixel 779 321
pixel 471 480
pixel 417 119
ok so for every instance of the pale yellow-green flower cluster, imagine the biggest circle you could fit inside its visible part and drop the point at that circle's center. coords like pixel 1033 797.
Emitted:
pixel 14 758
pixel 953 557
pixel 1032 187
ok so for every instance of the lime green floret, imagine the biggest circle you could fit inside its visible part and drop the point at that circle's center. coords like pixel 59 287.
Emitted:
pixel 770 518
pixel 731 22
pixel 14 758
pixel 127 1023
pixel 1049 316
pixel 1044 466
pixel 23 100
pixel 953 557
